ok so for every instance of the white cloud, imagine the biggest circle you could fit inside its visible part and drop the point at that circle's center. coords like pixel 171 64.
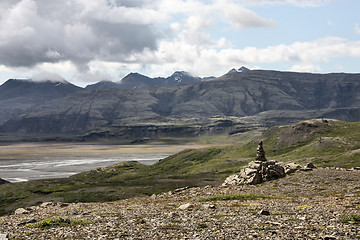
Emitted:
pixel 305 67
pixel 91 40
pixel 300 3
pixel 111 11
pixel 304 56
pixel 39 31
pixel 357 28
pixel 46 76
pixel 241 17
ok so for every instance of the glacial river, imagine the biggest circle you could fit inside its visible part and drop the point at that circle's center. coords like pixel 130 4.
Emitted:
pixel 21 170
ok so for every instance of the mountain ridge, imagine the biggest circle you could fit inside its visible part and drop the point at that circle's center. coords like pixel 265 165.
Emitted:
pixel 137 80
pixel 18 95
pixel 239 94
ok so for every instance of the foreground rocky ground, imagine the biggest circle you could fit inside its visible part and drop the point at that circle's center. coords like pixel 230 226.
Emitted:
pixel 318 204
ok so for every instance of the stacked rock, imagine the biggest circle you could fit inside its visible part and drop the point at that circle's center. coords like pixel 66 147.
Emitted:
pixel 257 171
pixel 260 153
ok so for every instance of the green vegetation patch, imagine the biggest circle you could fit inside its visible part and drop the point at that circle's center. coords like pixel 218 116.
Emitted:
pixel 235 196
pixel 350 219
pixel 325 143
pixel 57 222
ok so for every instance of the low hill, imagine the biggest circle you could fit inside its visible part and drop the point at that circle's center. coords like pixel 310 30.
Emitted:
pixel 270 97
pixel 327 143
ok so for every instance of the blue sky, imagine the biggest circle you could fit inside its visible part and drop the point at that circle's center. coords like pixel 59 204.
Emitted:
pixel 85 41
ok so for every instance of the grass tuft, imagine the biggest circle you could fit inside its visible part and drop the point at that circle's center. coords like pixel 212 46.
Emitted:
pixel 57 222
pixel 350 219
pixel 236 196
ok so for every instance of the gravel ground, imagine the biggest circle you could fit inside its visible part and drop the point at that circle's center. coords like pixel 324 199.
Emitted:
pixel 303 205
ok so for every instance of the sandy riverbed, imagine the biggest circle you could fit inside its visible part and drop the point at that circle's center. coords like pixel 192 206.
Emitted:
pixel 30 161
pixel 56 149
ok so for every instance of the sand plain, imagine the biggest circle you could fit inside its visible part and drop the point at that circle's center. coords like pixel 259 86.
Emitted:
pixel 30 161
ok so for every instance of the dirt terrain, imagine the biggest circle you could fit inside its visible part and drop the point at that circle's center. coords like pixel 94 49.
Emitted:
pixel 318 204
pixel 32 150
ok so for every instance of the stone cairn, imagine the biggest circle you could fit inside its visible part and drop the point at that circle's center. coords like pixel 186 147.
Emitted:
pixel 257 171
pixel 260 153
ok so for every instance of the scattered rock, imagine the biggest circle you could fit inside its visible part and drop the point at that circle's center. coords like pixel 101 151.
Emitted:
pixel 329 237
pixel 310 165
pixel 264 218
pixel 3 236
pixel 180 189
pixel 186 206
pixel 32 208
pixel 20 211
pixel 60 204
pixel 27 222
pixel 232 180
pixel 47 204
pixel 173 215
pixel 291 168
pixel 273 223
pixel 306 169
pixel 209 206
pixel 264 212
pixel 142 221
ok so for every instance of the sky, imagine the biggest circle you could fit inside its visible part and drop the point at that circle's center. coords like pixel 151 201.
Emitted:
pixel 86 41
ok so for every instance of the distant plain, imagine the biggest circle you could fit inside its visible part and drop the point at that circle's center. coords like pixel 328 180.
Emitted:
pixel 29 161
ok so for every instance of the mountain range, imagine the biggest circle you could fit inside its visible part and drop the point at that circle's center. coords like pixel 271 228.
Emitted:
pixel 257 96
pixel 19 95
pixel 136 80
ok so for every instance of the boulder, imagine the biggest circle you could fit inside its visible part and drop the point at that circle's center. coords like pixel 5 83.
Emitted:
pixel 21 211
pixel 186 206
pixel 310 165
pixel 264 212
pixel 272 170
pixel 291 168
pixel 3 236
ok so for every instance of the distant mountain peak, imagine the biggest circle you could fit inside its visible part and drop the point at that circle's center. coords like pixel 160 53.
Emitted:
pixel 182 77
pixel 232 70
pixel 134 74
pixel 242 69
pixel 137 80
pixel 178 76
pixel 181 73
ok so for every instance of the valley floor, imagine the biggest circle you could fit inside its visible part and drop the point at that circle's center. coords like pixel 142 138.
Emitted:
pixel 319 204
pixel 26 150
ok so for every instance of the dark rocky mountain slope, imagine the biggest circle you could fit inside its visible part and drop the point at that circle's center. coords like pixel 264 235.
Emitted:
pixel 136 80
pixel 18 95
pixel 280 97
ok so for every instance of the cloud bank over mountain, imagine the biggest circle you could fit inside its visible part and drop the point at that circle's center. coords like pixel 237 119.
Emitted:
pixel 96 39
